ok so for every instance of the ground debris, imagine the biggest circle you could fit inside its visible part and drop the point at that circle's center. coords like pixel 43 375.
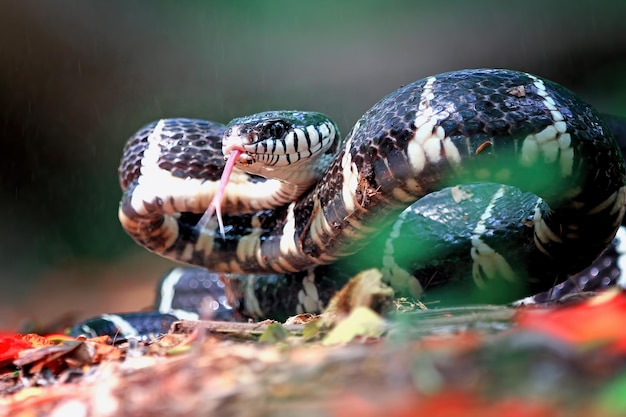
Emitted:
pixel 544 362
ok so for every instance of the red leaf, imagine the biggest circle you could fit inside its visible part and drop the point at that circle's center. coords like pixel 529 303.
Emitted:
pixel 601 319
pixel 11 346
pixel 447 403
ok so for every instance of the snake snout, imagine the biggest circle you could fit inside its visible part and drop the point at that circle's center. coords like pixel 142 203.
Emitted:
pixel 234 140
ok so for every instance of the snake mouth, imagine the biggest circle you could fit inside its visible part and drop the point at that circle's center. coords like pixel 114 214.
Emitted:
pixel 243 158
pixel 235 144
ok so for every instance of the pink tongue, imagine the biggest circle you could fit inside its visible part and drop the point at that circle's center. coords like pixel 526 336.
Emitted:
pixel 216 203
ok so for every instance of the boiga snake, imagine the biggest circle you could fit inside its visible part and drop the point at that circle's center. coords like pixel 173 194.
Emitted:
pixel 483 185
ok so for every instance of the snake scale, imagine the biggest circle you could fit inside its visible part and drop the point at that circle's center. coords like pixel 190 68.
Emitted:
pixel 495 182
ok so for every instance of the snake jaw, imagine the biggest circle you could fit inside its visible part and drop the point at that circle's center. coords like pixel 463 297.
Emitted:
pixel 242 157
pixel 236 142
pixel 246 159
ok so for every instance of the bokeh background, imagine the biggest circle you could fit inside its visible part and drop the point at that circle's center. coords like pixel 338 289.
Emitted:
pixel 78 77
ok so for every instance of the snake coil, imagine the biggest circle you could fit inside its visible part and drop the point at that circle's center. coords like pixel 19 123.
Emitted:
pixel 494 174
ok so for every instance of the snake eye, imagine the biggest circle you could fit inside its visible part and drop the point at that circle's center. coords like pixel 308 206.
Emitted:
pixel 274 130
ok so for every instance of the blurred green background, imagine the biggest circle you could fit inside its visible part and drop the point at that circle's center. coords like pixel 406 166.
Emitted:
pixel 78 77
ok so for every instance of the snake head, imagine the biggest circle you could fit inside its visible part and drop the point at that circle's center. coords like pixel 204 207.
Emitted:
pixel 284 145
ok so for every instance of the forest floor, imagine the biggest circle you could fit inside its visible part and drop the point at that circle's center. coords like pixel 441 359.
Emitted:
pixel 562 360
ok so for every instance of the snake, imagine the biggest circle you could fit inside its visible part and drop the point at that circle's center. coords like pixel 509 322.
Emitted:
pixel 491 183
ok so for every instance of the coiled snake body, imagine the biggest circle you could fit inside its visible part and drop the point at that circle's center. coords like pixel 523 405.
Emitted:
pixel 471 130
